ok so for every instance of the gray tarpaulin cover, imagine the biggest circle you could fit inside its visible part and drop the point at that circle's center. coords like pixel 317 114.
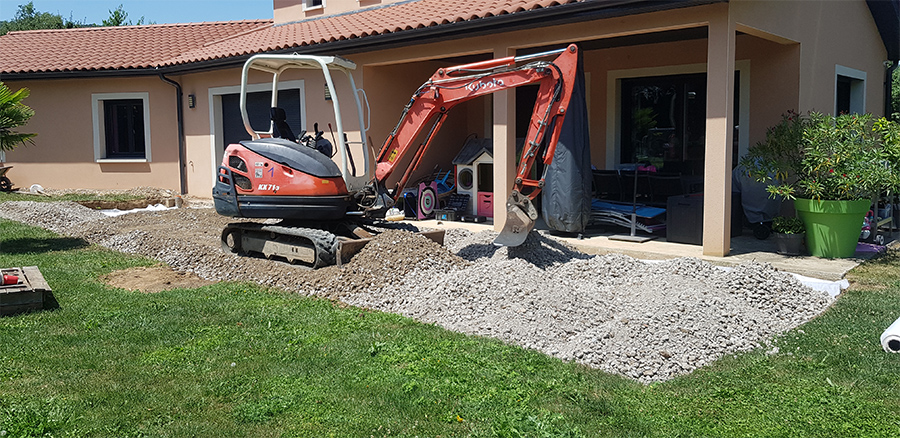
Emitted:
pixel 566 198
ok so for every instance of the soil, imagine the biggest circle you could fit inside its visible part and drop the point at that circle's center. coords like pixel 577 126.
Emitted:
pixel 153 279
pixel 122 205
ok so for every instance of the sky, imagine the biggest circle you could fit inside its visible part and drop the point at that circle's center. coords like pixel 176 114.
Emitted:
pixel 157 11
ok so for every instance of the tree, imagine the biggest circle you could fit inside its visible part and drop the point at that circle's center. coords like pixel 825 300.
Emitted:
pixel 13 113
pixel 118 17
pixel 27 18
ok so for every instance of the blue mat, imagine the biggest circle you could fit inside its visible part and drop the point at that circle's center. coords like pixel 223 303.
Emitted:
pixel 642 210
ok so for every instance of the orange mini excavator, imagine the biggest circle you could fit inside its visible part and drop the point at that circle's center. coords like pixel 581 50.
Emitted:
pixel 313 186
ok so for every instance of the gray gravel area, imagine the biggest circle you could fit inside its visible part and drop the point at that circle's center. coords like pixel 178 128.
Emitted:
pixel 647 321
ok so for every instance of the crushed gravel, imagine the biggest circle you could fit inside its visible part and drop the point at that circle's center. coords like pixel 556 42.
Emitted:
pixel 647 321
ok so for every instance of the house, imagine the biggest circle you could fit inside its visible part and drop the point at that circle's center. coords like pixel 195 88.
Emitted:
pixel 688 84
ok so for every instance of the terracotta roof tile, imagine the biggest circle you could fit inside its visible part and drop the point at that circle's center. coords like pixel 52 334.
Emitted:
pixel 167 45
pixel 111 48
pixel 393 18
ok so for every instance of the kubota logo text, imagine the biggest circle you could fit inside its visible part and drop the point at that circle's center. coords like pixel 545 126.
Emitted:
pixel 475 86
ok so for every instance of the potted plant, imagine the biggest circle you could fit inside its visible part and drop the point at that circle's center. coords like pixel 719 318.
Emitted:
pixel 789 233
pixel 833 167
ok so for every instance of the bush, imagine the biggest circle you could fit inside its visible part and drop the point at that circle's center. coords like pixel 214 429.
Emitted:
pixel 788 225
pixel 847 157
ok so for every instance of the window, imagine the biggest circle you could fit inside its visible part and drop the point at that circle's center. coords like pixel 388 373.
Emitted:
pixel 313 4
pixel 664 122
pixel 124 122
pixel 121 127
pixel 849 91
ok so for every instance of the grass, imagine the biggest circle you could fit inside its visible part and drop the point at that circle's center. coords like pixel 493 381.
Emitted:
pixel 236 359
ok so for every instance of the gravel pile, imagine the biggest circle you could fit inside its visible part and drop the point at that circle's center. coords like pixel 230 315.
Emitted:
pixel 647 321
pixel 59 217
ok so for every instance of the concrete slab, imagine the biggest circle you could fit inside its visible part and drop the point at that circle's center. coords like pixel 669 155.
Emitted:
pixel 744 248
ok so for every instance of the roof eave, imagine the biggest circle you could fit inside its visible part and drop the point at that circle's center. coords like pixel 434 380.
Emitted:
pixel 552 16
pixel 887 18
pixel 70 74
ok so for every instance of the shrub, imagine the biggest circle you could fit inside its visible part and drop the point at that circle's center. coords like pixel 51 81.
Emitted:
pixel 819 156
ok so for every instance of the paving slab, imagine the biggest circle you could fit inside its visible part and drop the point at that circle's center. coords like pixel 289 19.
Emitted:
pixel 744 248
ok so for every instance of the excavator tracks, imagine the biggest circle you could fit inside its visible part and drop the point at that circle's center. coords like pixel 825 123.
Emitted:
pixel 310 247
pixel 306 246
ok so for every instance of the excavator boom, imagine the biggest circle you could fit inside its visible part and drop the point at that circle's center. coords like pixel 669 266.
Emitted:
pixel 449 87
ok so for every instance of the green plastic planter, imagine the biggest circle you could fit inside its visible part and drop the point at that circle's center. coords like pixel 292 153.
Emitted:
pixel 832 227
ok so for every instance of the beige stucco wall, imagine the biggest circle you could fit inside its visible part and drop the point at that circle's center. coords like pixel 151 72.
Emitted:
pixel 63 153
pixel 774 75
pixel 292 10
pixel 830 33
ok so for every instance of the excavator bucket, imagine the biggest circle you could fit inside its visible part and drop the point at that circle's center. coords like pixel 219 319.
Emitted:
pixel 347 248
pixel 520 217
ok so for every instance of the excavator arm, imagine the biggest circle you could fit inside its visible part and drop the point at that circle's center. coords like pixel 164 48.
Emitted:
pixel 451 86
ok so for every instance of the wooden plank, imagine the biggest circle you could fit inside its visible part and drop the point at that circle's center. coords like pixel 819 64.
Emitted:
pixel 22 298
pixel 35 278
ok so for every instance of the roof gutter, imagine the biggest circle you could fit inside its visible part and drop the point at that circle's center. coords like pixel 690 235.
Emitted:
pixel 888 83
pixel 179 116
pixel 552 16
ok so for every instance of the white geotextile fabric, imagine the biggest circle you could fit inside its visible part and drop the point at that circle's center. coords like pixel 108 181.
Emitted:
pixel 890 339
pixel 117 212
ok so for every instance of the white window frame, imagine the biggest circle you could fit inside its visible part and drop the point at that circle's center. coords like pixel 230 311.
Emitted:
pixel 308 6
pixel 857 88
pixel 215 112
pixel 100 127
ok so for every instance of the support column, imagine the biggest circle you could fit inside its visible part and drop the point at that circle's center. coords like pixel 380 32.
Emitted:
pixel 719 135
pixel 504 137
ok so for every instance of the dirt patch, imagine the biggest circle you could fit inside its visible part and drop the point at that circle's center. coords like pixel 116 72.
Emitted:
pixel 153 279
pixel 389 257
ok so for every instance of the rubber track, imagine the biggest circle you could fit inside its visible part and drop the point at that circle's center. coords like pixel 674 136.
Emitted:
pixel 326 243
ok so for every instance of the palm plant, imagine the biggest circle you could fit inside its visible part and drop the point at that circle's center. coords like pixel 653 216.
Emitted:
pixel 13 113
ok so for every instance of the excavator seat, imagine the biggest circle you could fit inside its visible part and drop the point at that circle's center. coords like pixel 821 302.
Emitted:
pixel 280 128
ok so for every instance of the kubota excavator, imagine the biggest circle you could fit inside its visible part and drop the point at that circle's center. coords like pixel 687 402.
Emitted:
pixel 323 206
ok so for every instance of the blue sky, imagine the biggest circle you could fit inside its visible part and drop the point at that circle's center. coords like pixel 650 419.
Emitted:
pixel 158 11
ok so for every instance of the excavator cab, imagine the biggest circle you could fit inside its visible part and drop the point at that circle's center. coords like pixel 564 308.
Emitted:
pixel 278 174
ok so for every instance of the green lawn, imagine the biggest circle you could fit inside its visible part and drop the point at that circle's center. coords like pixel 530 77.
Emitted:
pixel 236 359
